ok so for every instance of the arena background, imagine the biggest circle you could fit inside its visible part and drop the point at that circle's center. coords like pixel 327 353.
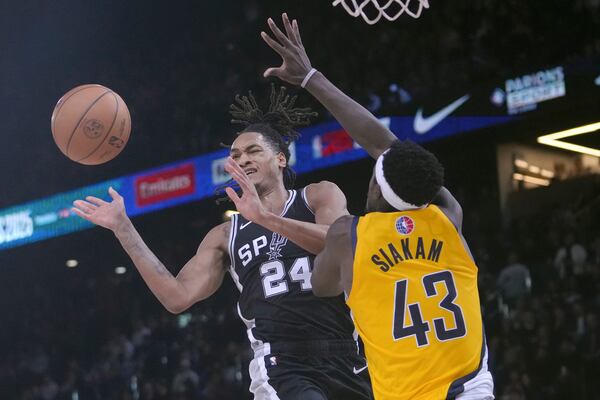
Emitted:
pixel 531 210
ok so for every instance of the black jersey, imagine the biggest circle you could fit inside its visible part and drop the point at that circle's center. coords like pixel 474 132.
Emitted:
pixel 273 275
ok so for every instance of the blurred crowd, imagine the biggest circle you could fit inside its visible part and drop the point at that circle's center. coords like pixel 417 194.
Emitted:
pixel 539 283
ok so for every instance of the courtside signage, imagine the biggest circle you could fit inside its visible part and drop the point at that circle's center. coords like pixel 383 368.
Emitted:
pixel 164 185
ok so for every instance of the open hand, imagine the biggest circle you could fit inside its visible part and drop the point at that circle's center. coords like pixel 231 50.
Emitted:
pixel 296 64
pixel 248 204
pixel 106 214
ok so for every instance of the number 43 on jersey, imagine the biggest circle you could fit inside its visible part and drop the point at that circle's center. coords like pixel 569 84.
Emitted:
pixel 419 328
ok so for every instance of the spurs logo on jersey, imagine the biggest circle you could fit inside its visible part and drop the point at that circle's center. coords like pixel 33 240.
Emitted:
pixel 273 276
pixel 277 242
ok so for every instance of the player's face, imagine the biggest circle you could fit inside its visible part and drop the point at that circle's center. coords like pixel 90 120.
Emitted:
pixel 255 155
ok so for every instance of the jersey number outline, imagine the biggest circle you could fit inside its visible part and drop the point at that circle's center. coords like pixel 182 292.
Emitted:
pixel 419 328
pixel 273 276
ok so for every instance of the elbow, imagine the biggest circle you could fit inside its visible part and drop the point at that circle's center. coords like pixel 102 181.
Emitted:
pixel 176 306
pixel 175 309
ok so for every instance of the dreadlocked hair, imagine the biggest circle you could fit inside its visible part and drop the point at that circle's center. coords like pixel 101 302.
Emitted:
pixel 277 125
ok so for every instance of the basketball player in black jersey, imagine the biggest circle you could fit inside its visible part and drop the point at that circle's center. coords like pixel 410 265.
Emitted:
pixel 304 346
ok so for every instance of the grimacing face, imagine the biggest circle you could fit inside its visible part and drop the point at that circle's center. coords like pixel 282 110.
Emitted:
pixel 256 156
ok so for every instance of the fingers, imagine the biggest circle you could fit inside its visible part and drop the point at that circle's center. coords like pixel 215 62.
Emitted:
pixel 232 195
pixel 80 213
pixel 276 72
pixel 96 201
pixel 113 193
pixel 84 206
pixel 231 166
pixel 296 31
pixel 273 44
pixel 278 34
pixel 288 28
pixel 238 175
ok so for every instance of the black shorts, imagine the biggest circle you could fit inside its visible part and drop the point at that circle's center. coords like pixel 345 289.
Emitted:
pixel 310 371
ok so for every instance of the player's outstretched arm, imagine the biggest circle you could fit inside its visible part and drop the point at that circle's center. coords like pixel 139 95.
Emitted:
pixel 197 280
pixel 332 272
pixel 360 124
pixel 325 198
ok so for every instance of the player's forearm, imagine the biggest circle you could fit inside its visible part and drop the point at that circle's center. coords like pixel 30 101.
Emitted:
pixel 325 280
pixel 309 236
pixel 161 282
pixel 360 124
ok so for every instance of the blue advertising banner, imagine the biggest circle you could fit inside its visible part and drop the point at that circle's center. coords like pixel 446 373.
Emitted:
pixel 320 146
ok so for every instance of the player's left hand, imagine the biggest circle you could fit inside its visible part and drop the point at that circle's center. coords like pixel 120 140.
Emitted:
pixel 296 64
pixel 249 204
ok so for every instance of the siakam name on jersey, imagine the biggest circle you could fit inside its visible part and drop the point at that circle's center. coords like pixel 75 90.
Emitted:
pixel 390 255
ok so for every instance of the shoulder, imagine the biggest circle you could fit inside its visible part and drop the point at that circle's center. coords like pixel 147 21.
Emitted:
pixel 323 191
pixel 321 188
pixel 219 235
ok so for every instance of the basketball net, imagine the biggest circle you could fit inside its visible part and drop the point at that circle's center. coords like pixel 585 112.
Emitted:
pixel 388 9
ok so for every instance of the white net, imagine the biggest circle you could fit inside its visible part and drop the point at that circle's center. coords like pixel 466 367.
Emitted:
pixel 373 10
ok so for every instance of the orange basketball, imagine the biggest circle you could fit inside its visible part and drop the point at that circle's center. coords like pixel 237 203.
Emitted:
pixel 91 124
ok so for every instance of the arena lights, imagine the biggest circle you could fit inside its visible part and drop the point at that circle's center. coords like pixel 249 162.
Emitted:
pixel 531 179
pixel 547 174
pixel 72 263
pixel 552 139
pixel 521 163
pixel 524 166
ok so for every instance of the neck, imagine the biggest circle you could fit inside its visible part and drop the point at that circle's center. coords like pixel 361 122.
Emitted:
pixel 273 199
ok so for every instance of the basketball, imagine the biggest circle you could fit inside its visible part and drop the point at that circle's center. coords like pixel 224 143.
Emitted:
pixel 91 124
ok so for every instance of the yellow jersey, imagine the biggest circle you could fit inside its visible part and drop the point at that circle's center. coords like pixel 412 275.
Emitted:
pixel 415 304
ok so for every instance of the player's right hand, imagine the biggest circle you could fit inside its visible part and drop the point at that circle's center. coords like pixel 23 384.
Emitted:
pixel 296 64
pixel 106 214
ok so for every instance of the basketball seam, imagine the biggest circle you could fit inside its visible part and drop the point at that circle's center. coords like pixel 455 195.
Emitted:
pixel 56 110
pixel 107 132
pixel 81 119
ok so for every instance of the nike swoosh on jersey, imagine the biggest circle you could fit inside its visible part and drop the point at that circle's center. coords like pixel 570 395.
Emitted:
pixel 245 225
pixel 358 371
pixel 425 124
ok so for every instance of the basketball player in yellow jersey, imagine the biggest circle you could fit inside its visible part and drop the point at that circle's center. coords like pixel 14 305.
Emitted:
pixel 405 267
pixel 411 284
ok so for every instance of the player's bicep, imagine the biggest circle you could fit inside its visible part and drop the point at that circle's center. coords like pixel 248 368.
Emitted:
pixel 203 274
pixel 327 201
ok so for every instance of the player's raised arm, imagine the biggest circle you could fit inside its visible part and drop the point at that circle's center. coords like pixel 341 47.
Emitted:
pixel 297 69
pixel 360 124
pixel 325 198
pixel 197 280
